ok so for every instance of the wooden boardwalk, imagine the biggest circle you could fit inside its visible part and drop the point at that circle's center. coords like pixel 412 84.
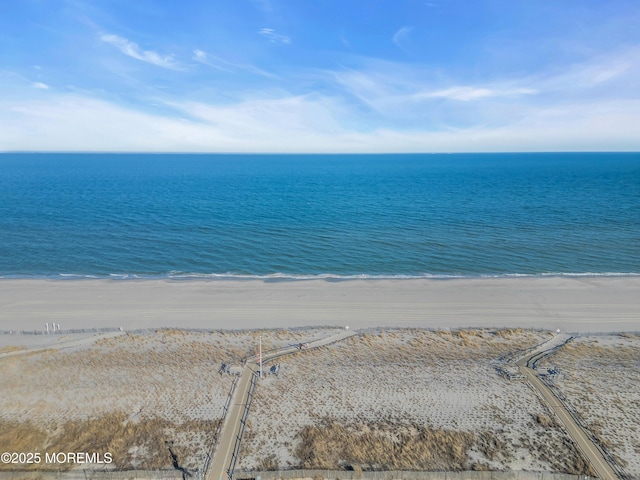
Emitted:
pixel 225 455
pixel 590 450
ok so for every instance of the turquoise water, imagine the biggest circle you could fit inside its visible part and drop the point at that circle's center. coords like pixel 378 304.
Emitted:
pixel 297 216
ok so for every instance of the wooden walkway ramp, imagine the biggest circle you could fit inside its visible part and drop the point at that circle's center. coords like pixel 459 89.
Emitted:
pixel 226 454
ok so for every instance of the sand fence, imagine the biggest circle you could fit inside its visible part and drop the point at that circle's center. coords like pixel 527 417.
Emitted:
pixel 402 475
pixel 94 475
pixel 288 475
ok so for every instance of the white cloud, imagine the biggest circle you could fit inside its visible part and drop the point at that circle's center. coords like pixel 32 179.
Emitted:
pixel 379 107
pixel 468 93
pixel 274 37
pixel 300 124
pixel 264 5
pixel 81 123
pixel 226 66
pixel 133 50
pixel 401 37
pixel 199 55
pixel 600 70
pixel 215 62
pixel 417 97
pixel 271 116
pixel 40 86
pixel 378 87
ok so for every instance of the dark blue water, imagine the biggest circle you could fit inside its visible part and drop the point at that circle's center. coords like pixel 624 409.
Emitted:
pixel 275 215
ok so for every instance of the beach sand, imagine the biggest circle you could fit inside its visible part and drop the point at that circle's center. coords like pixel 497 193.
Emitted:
pixel 576 304
pixel 410 400
pixel 153 386
pixel 402 392
pixel 124 393
pixel 600 380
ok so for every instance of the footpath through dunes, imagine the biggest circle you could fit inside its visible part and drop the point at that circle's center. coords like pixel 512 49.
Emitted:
pixel 61 341
pixel 225 457
pixel 387 399
pixel 398 399
pixel 126 393
pixel 581 437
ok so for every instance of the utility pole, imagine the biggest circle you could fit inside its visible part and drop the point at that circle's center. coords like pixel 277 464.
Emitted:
pixel 260 356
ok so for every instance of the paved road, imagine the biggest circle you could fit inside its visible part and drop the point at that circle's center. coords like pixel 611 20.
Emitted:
pixel 222 457
pixel 580 437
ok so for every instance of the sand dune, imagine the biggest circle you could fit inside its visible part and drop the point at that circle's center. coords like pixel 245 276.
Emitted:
pixel 148 387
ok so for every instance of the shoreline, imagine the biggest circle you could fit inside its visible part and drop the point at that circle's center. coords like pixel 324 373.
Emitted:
pixel 328 277
pixel 571 304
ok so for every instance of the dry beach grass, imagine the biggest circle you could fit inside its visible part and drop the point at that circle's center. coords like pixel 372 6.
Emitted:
pixel 133 395
pixel 143 444
pixel 600 379
pixel 384 399
pixel 407 399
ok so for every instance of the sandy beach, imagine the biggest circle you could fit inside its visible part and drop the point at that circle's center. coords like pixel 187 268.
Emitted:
pixel 572 304
pixel 134 390
pixel 353 403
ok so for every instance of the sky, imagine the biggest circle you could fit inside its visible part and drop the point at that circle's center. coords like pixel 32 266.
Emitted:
pixel 319 76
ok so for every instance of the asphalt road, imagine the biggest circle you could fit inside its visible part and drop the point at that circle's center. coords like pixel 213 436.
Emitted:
pixel 580 437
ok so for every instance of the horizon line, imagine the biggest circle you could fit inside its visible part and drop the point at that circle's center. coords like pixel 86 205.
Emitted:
pixel 152 152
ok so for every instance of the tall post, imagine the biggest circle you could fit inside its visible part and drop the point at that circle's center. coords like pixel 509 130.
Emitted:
pixel 260 357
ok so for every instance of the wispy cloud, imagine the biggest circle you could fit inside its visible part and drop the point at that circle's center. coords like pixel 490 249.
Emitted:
pixel 264 5
pixel 78 122
pixel 401 37
pixel 203 57
pixel 401 98
pixel 394 90
pixel 373 106
pixel 274 37
pixel 200 55
pixel 319 123
pixel 132 49
pixel 344 41
pixel 40 86
pixel 468 93
pixel 226 66
pixel 606 68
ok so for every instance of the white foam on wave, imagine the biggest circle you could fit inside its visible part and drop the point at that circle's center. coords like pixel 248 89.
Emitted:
pixel 363 276
pixel 321 276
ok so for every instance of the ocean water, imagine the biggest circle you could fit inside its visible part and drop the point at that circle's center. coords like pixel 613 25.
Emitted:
pixel 305 216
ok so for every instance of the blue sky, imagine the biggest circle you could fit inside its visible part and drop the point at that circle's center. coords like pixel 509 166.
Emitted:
pixel 320 75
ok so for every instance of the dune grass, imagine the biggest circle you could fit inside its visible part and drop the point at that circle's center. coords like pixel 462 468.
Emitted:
pixel 599 379
pixel 373 446
pixel 127 395
pixel 141 444
pixel 406 399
